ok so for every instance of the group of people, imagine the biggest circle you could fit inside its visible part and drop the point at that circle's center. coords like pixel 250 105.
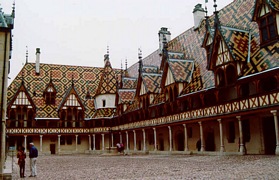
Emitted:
pixel 21 155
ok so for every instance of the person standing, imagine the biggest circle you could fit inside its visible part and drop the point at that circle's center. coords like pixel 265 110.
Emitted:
pixel 21 155
pixel 33 154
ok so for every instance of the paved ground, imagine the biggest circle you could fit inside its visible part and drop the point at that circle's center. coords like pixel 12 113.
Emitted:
pixel 72 167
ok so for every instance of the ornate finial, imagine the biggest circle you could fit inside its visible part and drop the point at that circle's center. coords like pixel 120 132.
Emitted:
pixel 13 11
pixel 26 54
pixel 205 10
pixel 107 50
pixel 140 60
pixel 215 5
pixel 140 54
pixel 121 65
pixel 126 64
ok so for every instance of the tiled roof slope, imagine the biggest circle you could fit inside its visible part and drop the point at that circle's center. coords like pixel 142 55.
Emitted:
pixel 62 76
pixel 108 82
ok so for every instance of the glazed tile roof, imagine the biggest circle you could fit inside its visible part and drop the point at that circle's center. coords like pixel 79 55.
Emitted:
pixel 129 83
pixel 126 95
pixel 152 82
pixel 62 78
pixel 104 113
pixel 108 82
pixel 182 70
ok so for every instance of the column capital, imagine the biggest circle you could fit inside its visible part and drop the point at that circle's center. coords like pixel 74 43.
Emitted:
pixel 200 123
pixel 134 131
pixel 154 129
pixel 126 132
pixel 25 136
pixel 219 120
pixel 143 130
pixel 238 117
pixel 59 135
pixel 169 127
pixel 274 112
pixel 184 125
pixel 76 135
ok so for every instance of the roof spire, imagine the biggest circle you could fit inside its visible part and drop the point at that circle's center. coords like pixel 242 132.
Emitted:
pixel 126 64
pixel 140 60
pixel 13 11
pixel 215 5
pixel 26 54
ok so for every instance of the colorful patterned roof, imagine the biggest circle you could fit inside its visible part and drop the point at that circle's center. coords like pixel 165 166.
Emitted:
pixel 108 82
pixel 274 4
pixel 104 113
pixel 150 69
pixel 182 70
pixel 152 82
pixel 62 78
pixel 129 83
pixel 126 95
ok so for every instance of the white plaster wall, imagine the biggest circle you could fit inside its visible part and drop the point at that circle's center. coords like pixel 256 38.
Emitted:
pixel 110 101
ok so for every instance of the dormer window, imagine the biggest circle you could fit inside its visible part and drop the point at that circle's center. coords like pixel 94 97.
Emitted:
pixel 50 95
pixel 268 25
pixel 268 28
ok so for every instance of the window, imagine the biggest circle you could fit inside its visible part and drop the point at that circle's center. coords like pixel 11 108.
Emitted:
pixel 50 95
pixel 104 103
pixel 268 29
pixel 62 140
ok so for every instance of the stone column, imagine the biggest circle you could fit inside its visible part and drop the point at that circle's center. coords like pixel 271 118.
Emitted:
pixel 170 138
pixel 89 142
pixel 185 138
pixel 41 143
pixel 127 140
pixel 112 143
pixel 144 140
pixel 59 144
pixel 202 138
pixel 94 142
pixel 120 137
pixel 274 112
pixel 135 140
pixel 103 142
pixel 155 139
pixel 241 145
pixel 76 142
pixel 25 143
pixel 222 149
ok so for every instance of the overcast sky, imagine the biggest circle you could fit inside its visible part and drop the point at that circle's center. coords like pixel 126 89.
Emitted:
pixel 77 32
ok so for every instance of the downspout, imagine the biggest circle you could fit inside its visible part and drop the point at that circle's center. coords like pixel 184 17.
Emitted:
pixel 3 115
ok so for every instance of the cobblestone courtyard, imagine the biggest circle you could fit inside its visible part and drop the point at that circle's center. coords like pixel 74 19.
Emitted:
pixel 74 167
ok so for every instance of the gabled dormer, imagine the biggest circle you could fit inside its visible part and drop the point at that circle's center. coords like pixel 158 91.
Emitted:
pixel 50 94
pixel 176 73
pixel 71 109
pixel 21 110
pixel 266 14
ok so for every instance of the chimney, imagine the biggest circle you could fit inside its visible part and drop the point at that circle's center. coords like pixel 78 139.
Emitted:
pixel 163 33
pixel 198 13
pixel 38 60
